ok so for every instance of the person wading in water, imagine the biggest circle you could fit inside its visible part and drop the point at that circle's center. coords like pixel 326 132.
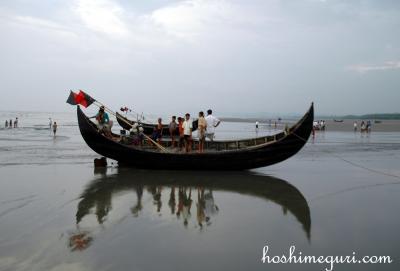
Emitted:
pixel 54 128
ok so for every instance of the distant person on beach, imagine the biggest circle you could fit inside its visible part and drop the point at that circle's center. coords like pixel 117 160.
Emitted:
pixel 355 126
pixel 50 123
pixel 212 123
pixel 322 125
pixel 6 125
pixel 54 128
pixel 369 126
pixel 187 132
pixel 363 128
pixel 10 123
pixel 202 126
pixel 172 128
pixel 256 128
pixel 16 123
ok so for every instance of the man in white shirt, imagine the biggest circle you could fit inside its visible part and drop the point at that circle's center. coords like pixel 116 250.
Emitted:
pixel 187 132
pixel 212 122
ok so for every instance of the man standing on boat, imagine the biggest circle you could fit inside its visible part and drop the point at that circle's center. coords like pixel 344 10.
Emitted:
pixel 212 123
pixel 181 134
pixel 202 125
pixel 172 130
pixel 187 132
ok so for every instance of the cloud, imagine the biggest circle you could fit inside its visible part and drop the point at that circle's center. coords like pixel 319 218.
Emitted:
pixel 364 68
pixel 103 16
pixel 190 18
pixel 45 26
pixel 38 22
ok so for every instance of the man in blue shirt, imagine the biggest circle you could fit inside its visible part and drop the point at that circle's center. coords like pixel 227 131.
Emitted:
pixel 103 121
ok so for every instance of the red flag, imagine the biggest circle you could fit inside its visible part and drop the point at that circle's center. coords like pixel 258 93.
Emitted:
pixel 84 99
pixel 81 98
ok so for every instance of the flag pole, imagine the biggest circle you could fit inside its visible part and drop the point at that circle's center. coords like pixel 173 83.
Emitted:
pixel 125 121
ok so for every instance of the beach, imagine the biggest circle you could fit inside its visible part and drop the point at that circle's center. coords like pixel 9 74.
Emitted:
pixel 347 125
pixel 337 196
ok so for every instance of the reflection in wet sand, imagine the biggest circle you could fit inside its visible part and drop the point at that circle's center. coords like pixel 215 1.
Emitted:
pixel 188 196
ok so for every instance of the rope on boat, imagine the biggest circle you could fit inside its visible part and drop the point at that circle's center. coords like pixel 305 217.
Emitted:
pixel 355 164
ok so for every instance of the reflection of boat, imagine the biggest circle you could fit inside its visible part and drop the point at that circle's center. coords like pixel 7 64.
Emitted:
pixel 219 155
pixel 99 194
pixel 126 124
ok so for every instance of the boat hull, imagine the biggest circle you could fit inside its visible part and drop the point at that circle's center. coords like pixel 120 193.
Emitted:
pixel 240 159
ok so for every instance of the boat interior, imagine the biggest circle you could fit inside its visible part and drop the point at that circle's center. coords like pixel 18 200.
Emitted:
pixel 144 143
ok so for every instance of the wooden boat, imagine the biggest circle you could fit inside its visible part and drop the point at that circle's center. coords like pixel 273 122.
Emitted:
pixel 219 155
pixel 335 120
pixel 126 124
pixel 104 189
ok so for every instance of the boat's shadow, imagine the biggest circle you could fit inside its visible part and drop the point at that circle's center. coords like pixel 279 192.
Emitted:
pixel 179 188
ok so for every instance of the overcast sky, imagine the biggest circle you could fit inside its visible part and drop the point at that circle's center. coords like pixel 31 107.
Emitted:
pixel 273 56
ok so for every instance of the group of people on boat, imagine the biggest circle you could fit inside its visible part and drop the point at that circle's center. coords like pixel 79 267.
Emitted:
pixel 179 129
pixel 184 126
pixel 10 124
pixel 365 126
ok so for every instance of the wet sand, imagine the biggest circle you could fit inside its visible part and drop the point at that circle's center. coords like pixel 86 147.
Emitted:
pixel 338 195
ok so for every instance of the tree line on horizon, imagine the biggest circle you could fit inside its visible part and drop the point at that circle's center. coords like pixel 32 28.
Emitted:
pixel 383 116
